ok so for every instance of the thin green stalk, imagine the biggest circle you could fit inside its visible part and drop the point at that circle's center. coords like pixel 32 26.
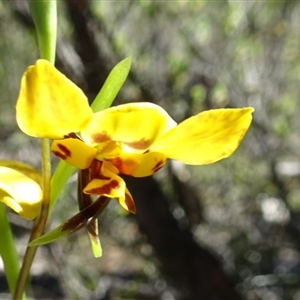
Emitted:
pixel 44 14
pixel 8 252
pixel 40 223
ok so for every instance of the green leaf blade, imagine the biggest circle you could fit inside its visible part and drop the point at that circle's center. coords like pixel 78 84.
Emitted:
pixel 112 85
pixel 50 237
pixel 44 14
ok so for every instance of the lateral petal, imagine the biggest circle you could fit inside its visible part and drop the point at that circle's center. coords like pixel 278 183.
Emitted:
pixel 136 126
pixel 207 137
pixel 20 193
pixel 74 151
pixel 49 104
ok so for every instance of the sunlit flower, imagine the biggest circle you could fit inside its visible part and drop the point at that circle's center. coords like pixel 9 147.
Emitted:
pixel 134 139
pixel 20 189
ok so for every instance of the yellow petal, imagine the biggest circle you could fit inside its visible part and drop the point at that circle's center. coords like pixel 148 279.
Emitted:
pixel 20 193
pixel 207 137
pixel 139 165
pixel 135 125
pixel 23 168
pixel 127 202
pixel 75 152
pixel 107 184
pixel 49 104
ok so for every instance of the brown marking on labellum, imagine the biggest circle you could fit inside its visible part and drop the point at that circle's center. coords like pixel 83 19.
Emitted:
pixel 158 166
pixel 60 155
pixel 129 203
pixel 64 149
pixel 142 144
pixel 105 189
pixel 101 137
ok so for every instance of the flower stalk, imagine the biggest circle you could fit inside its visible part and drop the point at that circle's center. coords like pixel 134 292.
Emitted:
pixel 44 14
pixel 40 222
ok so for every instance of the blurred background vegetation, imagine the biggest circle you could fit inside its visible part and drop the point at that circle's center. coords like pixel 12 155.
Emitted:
pixel 230 230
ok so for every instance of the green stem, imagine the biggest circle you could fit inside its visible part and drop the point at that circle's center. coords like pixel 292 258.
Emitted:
pixel 8 252
pixel 40 223
pixel 44 14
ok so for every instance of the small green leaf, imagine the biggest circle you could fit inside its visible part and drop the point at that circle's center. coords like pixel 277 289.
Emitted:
pixel 112 85
pixel 84 218
pixel 103 100
pixel 51 236
pixel 96 247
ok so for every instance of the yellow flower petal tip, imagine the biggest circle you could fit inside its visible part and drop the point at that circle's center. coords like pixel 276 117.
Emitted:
pixel 207 137
pixel 19 192
pixel 49 104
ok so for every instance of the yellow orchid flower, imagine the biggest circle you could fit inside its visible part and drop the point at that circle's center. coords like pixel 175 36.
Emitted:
pixel 20 188
pixel 133 139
